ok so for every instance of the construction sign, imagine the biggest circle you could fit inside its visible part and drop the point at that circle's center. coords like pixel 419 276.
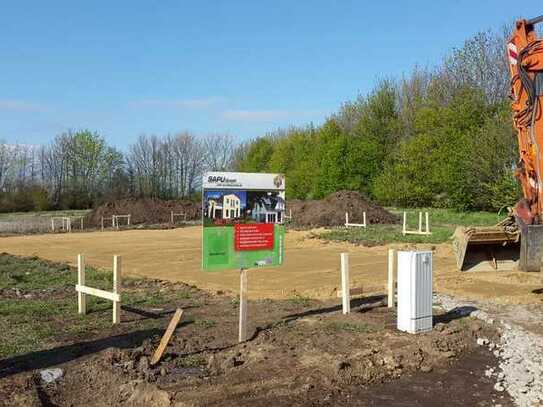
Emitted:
pixel 243 218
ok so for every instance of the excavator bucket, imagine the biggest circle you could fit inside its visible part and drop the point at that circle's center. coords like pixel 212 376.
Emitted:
pixel 531 246
pixel 486 248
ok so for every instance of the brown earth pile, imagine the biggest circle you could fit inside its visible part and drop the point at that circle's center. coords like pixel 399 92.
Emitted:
pixel 144 211
pixel 330 211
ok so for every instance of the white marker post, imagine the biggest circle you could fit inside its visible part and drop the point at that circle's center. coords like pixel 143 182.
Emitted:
pixel 345 289
pixel 116 288
pixel 390 281
pixel 81 297
pixel 243 306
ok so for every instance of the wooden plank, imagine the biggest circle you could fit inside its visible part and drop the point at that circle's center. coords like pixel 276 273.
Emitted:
pixel 97 292
pixel 352 291
pixel 81 297
pixel 117 289
pixel 242 337
pixel 390 281
pixel 167 336
pixel 345 283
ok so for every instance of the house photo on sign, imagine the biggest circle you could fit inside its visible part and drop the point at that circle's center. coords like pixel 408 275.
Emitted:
pixel 243 220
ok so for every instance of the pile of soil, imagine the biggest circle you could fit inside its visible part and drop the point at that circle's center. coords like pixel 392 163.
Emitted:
pixel 144 211
pixel 330 211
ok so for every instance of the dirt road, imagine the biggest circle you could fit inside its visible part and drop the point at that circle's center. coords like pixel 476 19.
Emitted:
pixel 311 266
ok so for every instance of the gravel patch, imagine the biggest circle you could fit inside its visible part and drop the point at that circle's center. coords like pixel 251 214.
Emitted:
pixel 520 353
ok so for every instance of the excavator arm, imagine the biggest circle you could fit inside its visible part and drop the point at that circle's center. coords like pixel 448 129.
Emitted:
pixel 517 240
pixel 525 54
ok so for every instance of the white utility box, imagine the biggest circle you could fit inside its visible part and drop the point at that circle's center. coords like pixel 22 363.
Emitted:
pixel 414 291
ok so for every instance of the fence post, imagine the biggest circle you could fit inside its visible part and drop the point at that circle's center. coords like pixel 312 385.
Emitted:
pixel 81 297
pixel 404 229
pixel 117 288
pixel 243 306
pixel 427 223
pixel 345 286
pixel 390 281
pixel 420 222
pixel 129 219
pixel 171 217
pixel 52 224
pixel 346 219
pixel 364 217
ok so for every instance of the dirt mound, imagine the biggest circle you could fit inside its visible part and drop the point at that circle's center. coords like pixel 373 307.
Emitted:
pixel 144 211
pixel 331 210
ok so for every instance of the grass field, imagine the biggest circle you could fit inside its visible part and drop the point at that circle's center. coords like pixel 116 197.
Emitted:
pixel 19 216
pixel 34 222
pixel 442 225
pixel 34 290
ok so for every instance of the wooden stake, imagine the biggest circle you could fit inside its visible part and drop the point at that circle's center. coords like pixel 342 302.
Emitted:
pixel 102 224
pixel 171 217
pixel 243 306
pixel 167 336
pixel 364 217
pixel 116 288
pixel 390 281
pixel 345 283
pixel 81 297
pixel 404 229
pixel 420 222
pixel 427 223
pixel 346 219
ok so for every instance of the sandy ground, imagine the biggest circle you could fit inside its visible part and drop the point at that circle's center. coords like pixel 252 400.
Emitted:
pixel 311 267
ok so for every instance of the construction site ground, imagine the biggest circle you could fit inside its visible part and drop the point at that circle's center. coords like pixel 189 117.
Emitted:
pixel 311 266
pixel 300 351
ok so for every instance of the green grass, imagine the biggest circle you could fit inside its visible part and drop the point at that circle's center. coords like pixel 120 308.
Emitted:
pixel 442 225
pixel 450 217
pixel 350 327
pixel 205 323
pixel 193 361
pixel 38 304
pixel 13 216
pixel 298 299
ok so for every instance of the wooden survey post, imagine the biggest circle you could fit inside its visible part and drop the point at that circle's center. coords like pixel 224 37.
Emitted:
pixel 345 289
pixel 81 297
pixel 113 296
pixel 243 306
pixel 116 288
pixel 390 280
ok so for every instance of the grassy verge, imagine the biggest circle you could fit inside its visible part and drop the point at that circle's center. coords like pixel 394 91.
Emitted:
pixel 442 225
pixel 38 305
pixel 15 216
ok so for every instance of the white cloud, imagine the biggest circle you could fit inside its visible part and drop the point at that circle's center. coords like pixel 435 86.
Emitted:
pixel 203 103
pixel 19 106
pixel 266 115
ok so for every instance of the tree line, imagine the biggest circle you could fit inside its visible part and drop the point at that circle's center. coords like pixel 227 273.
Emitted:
pixel 440 137
pixel 79 169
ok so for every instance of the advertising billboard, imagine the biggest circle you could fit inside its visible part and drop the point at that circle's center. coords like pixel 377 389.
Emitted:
pixel 243 220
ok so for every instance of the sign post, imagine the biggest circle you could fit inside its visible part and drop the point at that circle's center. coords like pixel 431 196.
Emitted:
pixel 243 217
pixel 243 306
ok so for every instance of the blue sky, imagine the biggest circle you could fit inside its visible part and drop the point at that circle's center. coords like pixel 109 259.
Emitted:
pixel 124 68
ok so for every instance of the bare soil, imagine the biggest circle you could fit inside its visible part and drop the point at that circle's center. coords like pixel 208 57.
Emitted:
pixel 144 211
pixel 300 352
pixel 331 211
pixel 311 266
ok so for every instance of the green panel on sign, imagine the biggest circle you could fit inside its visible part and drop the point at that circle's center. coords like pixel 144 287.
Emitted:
pixel 219 252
